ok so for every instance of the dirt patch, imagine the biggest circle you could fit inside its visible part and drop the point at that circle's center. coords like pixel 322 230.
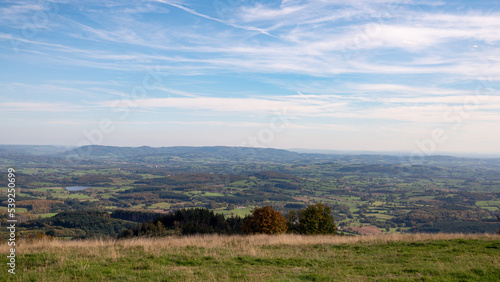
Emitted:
pixel 367 230
pixel 303 199
pixel 161 211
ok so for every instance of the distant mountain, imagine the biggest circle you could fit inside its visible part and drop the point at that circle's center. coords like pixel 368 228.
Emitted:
pixel 340 152
pixel 223 154
pixel 216 152
pixel 35 150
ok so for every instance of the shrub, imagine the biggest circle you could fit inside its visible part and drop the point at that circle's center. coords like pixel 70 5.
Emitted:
pixel 264 220
pixel 316 219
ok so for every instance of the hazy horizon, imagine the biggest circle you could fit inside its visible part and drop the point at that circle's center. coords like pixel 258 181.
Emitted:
pixel 306 150
pixel 385 76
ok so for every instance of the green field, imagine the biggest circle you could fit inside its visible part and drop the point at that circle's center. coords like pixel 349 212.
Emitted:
pixel 239 212
pixel 161 205
pixel 18 210
pixel 382 216
pixel 44 215
pixel 487 203
pixel 77 196
pixel 261 258
pixel 208 194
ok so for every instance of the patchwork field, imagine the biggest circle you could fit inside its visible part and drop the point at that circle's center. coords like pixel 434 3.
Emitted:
pixel 368 194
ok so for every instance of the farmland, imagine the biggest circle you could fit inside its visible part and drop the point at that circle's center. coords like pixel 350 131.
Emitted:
pixel 369 194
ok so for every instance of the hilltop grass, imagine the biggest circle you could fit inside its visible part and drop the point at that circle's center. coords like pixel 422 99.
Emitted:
pixel 441 257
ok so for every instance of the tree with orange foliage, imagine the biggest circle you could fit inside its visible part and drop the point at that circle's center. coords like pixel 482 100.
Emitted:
pixel 264 220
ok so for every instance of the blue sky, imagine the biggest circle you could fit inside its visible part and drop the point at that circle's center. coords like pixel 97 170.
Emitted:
pixel 384 75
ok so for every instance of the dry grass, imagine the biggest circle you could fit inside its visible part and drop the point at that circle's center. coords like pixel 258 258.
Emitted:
pixel 239 242
pixel 261 258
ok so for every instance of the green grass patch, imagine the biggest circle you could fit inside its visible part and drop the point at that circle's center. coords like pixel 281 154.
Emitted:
pixel 44 215
pixel 17 209
pixel 208 194
pixel 382 215
pixel 162 205
pixel 237 259
pixel 78 196
pixel 240 212
pixel 487 203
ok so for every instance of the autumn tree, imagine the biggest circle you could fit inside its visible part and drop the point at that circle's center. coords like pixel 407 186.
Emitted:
pixel 316 219
pixel 264 220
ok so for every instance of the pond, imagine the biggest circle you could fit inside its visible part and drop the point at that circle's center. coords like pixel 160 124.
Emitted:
pixel 77 188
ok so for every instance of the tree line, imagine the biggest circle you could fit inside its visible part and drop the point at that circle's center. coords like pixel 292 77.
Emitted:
pixel 312 220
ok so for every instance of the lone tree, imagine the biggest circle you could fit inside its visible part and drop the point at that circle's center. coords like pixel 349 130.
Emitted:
pixel 264 220
pixel 315 220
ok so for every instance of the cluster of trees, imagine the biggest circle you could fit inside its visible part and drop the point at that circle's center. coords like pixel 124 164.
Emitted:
pixel 89 179
pixel 267 175
pixel 49 205
pixel 445 213
pixel 239 199
pixel 174 188
pixel 79 224
pixel 485 226
pixel 312 220
pixel 183 222
pixel 136 216
pixel 190 179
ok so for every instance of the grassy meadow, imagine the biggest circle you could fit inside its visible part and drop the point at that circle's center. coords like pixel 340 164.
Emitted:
pixel 395 257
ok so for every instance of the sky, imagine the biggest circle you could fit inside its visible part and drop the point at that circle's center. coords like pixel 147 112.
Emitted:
pixel 416 76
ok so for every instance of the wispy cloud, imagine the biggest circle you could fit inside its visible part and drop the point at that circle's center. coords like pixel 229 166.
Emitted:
pixel 38 107
pixel 333 65
pixel 17 14
pixel 193 12
pixel 405 90
pixel 306 48
pixel 246 105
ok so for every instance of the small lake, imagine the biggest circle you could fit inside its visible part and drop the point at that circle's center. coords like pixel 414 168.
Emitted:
pixel 77 188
